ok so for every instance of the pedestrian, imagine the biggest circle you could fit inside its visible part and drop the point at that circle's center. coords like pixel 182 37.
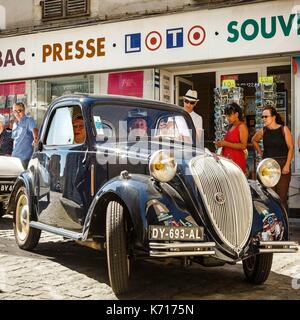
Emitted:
pixel 24 133
pixel 277 144
pixel 190 100
pixel 12 120
pixel 234 145
pixel 6 142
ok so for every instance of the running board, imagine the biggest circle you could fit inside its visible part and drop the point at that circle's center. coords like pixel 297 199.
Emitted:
pixel 59 231
pixel 177 249
pixel 278 246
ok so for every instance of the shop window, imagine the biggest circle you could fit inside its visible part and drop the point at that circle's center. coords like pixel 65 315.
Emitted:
pixel 9 94
pixel 60 9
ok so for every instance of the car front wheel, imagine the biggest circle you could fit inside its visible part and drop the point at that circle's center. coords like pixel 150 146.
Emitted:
pixel 118 260
pixel 257 268
pixel 27 238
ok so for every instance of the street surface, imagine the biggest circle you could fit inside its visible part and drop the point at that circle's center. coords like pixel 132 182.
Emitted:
pixel 61 269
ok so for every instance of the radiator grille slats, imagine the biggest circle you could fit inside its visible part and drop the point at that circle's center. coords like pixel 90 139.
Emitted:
pixel 219 181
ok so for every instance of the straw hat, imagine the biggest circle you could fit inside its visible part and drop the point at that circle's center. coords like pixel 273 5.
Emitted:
pixel 191 95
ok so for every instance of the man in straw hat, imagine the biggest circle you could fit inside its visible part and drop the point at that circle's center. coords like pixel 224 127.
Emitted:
pixel 190 100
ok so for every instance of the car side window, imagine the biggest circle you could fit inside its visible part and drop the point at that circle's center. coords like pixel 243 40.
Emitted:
pixel 61 130
pixel 173 127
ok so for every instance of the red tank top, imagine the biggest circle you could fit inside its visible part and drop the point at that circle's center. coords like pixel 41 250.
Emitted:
pixel 238 156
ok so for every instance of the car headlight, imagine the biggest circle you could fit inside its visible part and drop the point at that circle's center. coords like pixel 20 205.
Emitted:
pixel 162 166
pixel 268 172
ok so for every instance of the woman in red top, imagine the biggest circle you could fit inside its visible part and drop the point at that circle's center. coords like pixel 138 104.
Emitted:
pixel 236 138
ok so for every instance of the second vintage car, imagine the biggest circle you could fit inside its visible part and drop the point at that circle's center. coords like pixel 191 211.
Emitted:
pixel 129 176
pixel 10 169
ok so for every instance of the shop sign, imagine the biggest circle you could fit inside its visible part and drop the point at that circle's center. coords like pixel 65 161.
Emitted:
pixel 229 83
pixel 266 79
pixel 12 88
pixel 265 27
pixel 174 38
pixel 184 38
pixel 70 50
pixel 10 57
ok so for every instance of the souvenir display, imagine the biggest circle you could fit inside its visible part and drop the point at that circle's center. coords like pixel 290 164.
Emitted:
pixel 223 97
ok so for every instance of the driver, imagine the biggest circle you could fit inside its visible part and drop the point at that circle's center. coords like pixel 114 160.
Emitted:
pixel 138 127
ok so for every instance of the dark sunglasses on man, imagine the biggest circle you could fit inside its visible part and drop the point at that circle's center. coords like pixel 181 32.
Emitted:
pixel 189 102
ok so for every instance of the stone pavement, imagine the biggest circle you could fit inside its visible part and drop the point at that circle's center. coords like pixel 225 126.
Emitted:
pixel 60 269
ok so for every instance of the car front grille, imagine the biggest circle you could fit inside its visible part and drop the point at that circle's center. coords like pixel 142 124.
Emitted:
pixel 226 195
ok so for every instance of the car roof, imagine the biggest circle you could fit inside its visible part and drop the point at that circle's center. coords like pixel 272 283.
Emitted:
pixel 87 99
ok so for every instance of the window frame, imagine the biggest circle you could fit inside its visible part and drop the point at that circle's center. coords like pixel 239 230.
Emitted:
pixel 64 14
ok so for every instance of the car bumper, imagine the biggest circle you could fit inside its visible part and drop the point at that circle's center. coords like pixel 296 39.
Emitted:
pixel 278 246
pixel 180 249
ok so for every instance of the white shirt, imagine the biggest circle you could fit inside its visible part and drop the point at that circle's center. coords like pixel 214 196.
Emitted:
pixel 197 120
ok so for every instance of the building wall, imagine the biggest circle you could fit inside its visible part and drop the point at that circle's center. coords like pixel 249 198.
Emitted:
pixel 25 16
pixel 17 13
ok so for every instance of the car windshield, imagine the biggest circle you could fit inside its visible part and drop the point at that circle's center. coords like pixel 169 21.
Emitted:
pixel 133 123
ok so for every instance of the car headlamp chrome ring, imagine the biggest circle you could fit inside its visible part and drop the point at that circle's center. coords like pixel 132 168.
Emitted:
pixel 162 166
pixel 268 172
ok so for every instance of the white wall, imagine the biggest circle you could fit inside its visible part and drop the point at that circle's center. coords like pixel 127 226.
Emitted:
pixel 18 13
pixel 130 7
pixel 28 13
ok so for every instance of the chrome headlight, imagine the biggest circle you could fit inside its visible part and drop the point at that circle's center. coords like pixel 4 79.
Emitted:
pixel 269 172
pixel 162 166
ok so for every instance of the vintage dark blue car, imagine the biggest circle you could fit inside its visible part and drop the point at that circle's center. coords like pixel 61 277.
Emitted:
pixel 130 176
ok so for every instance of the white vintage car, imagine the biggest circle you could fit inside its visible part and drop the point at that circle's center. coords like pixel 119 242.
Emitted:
pixel 10 168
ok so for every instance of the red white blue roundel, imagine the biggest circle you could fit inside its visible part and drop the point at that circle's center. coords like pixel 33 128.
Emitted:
pixel 196 35
pixel 153 40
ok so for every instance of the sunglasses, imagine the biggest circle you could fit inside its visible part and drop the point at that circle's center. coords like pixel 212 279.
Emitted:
pixel 264 117
pixel 190 102
pixel 18 111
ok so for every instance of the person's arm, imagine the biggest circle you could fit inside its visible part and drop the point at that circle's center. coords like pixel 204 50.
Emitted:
pixel 35 133
pixel 290 144
pixel 299 142
pixel 34 130
pixel 255 140
pixel 242 145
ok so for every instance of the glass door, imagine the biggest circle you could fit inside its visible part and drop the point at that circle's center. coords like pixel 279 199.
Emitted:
pixel 182 85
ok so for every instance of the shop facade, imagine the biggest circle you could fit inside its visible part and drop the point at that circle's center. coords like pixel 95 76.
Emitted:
pixel 163 56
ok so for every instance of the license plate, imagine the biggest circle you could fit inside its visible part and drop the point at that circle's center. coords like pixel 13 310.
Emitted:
pixel 6 188
pixel 176 233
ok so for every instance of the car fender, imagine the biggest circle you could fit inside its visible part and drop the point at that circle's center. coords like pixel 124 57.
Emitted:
pixel 138 192
pixel 25 179
pixel 267 213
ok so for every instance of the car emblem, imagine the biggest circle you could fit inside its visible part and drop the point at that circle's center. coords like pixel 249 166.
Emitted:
pixel 219 198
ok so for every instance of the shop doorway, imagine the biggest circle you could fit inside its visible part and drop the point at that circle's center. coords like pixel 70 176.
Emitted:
pixel 204 84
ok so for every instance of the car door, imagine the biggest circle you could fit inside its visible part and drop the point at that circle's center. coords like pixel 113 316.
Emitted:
pixel 62 173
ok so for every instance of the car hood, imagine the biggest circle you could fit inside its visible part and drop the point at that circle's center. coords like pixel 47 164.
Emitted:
pixel 10 166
